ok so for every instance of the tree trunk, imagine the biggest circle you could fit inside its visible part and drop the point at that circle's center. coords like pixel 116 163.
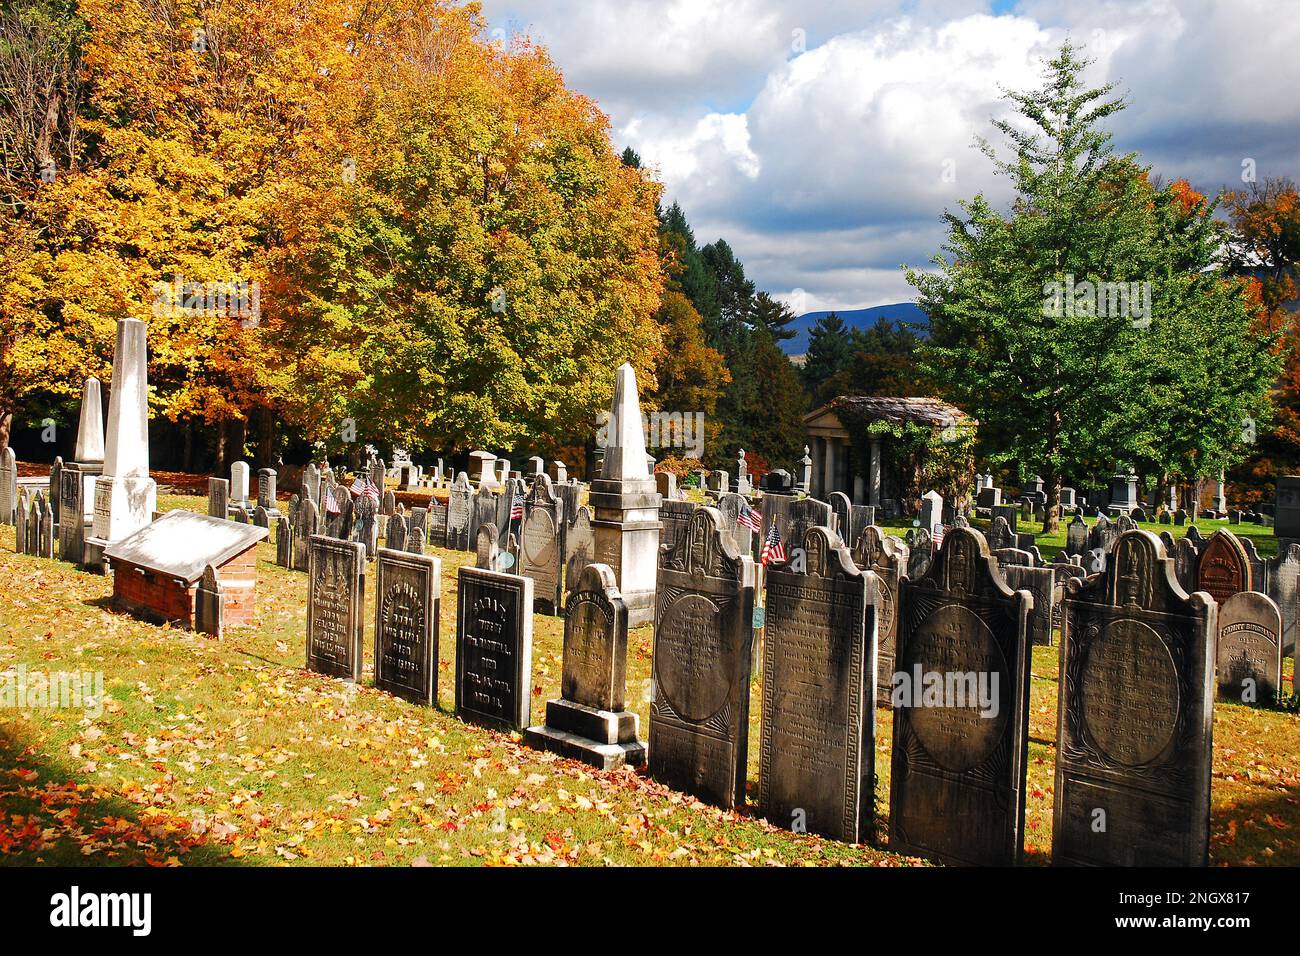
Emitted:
pixel 220 465
pixel 187 448
pixel 6 423
pixel 1052 508
pixel 266 438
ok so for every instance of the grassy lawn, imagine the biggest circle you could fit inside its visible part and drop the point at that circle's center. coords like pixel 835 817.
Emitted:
pixel 229 752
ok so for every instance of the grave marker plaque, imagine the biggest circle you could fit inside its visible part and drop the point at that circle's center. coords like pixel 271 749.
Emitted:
pixel 335 598
pixel 957 785
pixel 407 597
pixel 703 647
pixel 817 765
pixel 494 648
pixel 1134 733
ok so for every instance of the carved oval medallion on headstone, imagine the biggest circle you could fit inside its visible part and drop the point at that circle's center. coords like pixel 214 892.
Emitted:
pixel 697 684
pixel 1130 693
pixel 953 642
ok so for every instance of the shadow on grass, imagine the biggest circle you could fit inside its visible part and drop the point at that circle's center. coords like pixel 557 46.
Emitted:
pixel 50 818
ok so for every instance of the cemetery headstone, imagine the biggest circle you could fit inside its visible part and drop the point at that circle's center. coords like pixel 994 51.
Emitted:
pixel 817 758
pixel 886 557
pixel 703 648
pixel 209 603
pixel 1135 714
pixel 494 648
pixel 961 710
pixel 1249 650
pixel 408 594
pixel 589 721
pixel 1223 569
pixel 336 584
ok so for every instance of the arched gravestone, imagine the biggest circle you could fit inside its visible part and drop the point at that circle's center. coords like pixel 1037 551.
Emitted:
pixel 1186 560
pixel 304 524
pixel 1076 536
pixel 395 533
pixel 957 784
pixel 885 556
pixel 459 508
pixel 1248 654
pixel 336 583
pixel 1041 583
pixel 1223 569
pixel 1001 535
pixel 1103 534
pixel 920 553
pixel 540 543
pixel 1133 741
pixel 817 755
pixel 794 516
pixel 703 646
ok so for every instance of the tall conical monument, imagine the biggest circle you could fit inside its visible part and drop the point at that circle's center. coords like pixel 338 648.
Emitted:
pixel 90 429
pixel 626 504
pixel 125 496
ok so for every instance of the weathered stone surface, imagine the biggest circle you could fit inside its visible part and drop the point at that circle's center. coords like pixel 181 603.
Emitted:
pixel 540 544
pixel 494 648
pixel 408 589
pixel 817 756
pixel 675 519
pixel 1287 507
pixel 459 508
pixel 218 498
pixel 283 542
pixel 1249 650
pixel 1041 583
pixel 958 770
pixel 886 557
pixel 1076 536
pixel 730 506
pixel 580 546
pixel 703 648
pixel 72 505
pixel 589 721
pixel 336 583
pixel 1134 735
pixel 486 550
pixel 1001 535
pixel 306 522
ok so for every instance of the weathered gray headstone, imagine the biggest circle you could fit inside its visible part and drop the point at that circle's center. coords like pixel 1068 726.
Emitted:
pixel 459 513
pixel 580 546
pixel 408 591
pixel 589 722
pixel 1249 651
pixel 336 585
pixel 961 710
pixel 817 752
pixel 540 543
pixel 1041 583
pixel 1133 741
pixel 703 648
pixel 886 556
pixel 8 485
pixel 494 648
pixel 218 497
pixel 1076 536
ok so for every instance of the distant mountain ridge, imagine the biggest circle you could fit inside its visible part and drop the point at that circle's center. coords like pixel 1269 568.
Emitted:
pixel 909 313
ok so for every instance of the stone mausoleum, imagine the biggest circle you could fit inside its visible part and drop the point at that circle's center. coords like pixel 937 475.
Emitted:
pixel 872 473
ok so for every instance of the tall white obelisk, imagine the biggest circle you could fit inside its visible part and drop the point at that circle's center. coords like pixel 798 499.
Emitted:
pixel 125 496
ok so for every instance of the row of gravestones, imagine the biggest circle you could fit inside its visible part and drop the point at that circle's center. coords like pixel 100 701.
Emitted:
pixel 493 680
pixel 35 527
pixel 1133 774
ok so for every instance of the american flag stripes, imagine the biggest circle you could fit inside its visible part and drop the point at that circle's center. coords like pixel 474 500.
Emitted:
pixel 517 505
pixel 749 518
pixel 773 548
pixel 365 488
pixel 331 503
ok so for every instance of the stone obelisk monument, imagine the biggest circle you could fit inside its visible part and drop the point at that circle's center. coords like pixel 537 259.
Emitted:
pixel 626 503
pixel 125 496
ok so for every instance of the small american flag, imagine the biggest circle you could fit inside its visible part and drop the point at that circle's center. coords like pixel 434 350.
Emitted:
pixel 749 518
pixel 371 490
pixel 773 549
pixel 937 535
pixel 331 503
pixel 364 488
pixel 517 505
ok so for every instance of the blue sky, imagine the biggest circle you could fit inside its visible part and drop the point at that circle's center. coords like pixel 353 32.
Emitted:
pixel 824 139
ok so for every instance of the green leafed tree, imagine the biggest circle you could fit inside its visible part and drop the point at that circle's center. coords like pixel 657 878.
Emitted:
pixel 1088 325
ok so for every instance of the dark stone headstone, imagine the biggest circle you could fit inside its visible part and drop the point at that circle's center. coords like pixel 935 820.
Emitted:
pixel 209 603
pixel 1287 509
pixel 437 523
pixel 540 543
pixel 336 583
pixel 1041 583
pixel 674 519
pixel 817 757
pixel 494 648
pixel 459 512
pixel 408 590
pixel 580 546
pixel 959 755
pixel 1133 742
pixel 1076 536
pixel 703 647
